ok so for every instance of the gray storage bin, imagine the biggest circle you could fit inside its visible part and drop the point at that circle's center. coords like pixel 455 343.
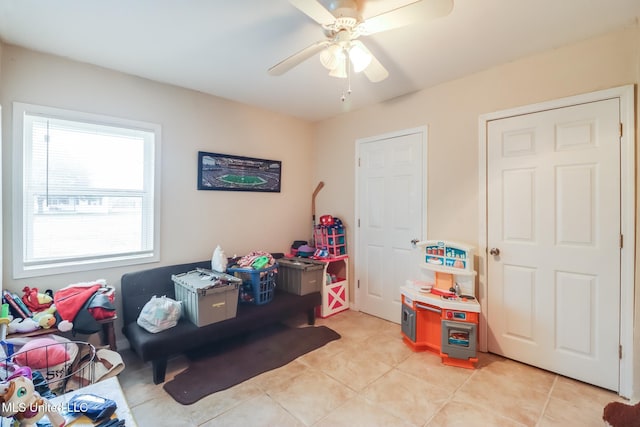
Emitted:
pixel 207 296
pixel 300 277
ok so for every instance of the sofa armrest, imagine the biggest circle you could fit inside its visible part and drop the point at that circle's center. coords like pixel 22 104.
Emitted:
pixel 138 287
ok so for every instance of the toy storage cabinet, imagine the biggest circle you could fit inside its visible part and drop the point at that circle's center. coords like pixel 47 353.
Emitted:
pixel 335 295
pixel 333 239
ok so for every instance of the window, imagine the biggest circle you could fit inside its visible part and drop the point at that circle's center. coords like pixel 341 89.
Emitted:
pixel 85 193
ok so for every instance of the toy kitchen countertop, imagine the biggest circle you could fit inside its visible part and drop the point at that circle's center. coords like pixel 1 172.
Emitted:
pixel 448 303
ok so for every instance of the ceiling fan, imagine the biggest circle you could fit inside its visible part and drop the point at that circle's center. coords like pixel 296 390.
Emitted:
pixel 343 23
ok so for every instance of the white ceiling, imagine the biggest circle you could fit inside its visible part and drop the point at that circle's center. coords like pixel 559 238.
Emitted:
pixel 225 48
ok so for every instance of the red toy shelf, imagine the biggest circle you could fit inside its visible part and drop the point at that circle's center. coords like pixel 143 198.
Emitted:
pixel 334 239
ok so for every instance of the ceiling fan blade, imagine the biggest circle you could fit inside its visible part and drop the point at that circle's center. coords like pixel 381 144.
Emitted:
pixel 297 58
pixel 375 72
pixel 417 11
pixel 314 10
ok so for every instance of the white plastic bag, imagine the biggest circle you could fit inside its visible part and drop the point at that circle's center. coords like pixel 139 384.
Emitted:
pixel 159 314
pixel 219 260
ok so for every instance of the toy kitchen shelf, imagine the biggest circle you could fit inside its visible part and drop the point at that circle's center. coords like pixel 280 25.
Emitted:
pixel 448 265
pixel 447 257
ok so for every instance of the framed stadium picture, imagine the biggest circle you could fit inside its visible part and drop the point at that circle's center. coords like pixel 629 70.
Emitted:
pixel 224 172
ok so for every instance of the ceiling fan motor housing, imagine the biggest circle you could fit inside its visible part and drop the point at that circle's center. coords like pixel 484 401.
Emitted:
pixel 342 23
pixel 337 5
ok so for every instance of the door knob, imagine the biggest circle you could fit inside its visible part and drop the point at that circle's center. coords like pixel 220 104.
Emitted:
pixel 494 251
pixel 413 242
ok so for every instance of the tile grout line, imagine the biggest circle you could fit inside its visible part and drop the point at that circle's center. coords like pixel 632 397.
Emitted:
pixel 450 397
pixel 546 403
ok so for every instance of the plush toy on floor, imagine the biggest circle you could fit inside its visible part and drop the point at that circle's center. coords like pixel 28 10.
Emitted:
pixel 19 399
pixel 618 414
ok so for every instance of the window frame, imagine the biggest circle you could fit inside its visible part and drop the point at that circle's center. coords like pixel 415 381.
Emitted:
pixel 22 269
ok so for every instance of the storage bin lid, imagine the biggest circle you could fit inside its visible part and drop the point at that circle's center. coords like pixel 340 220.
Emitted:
pixel 205 279
pixel 300 264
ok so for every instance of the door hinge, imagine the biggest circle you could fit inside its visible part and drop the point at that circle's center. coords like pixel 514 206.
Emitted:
pixel 620 130
pixel 358 283
pixel 358 222
pixel 620 352
pixel 621 241
pixel 358 161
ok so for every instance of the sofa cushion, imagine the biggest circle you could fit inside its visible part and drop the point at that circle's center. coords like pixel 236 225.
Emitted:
pixel 187 336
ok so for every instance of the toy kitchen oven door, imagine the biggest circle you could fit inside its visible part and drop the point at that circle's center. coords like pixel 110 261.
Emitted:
pixel 459 331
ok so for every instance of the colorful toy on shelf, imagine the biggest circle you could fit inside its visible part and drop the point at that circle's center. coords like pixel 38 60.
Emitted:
pixel 321 253
pixel 36 300
pixel 330 235
pixel 326 220
pixel 4 321
pixel 44 319
pixel 18 399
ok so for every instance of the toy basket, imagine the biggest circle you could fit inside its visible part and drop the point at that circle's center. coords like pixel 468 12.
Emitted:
pixel 57 368
pixel 258 286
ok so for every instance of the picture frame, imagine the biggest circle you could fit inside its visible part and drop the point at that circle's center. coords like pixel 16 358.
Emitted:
pixel 225 172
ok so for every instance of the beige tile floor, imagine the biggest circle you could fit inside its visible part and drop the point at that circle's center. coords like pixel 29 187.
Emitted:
pixel 371 378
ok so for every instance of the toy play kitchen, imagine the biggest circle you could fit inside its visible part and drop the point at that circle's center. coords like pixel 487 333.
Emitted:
pixel 440 313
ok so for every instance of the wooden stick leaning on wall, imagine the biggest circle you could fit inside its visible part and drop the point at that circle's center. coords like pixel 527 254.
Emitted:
pixel 319 187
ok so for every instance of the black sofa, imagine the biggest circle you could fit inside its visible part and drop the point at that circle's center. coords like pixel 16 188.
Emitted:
pixel 138 287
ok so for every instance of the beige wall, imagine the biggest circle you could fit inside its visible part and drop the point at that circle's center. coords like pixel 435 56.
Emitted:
pixel 192 222
pixel 451 111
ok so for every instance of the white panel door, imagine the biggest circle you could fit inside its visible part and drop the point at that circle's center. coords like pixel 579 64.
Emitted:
pixel 390 207
pixel 553 212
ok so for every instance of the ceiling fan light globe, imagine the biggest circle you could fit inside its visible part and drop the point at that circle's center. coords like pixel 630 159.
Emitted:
pixel 359 58
pixel 328 59
pixel 340 71
pixel 332 56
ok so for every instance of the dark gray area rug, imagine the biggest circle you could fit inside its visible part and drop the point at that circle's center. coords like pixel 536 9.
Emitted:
pixel 233 361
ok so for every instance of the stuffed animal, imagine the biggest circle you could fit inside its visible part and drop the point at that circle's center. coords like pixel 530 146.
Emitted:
pixel 35 300
pixel 47 319
pixel 44 319
pixel 19 399
pixel 21 326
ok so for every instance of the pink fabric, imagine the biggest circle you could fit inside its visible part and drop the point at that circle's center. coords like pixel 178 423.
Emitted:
pixel 41 353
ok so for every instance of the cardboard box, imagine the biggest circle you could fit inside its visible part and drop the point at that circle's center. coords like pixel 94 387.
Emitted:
pixel 300 277
pixel 207 296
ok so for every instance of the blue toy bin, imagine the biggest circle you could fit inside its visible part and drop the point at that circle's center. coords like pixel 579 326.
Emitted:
pixel 258 286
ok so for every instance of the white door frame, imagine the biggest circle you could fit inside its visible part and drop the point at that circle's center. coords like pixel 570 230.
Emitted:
pixel 627 213
pixel 423 130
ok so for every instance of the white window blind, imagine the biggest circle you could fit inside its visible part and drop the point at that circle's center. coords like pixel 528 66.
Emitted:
pixel 88 192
